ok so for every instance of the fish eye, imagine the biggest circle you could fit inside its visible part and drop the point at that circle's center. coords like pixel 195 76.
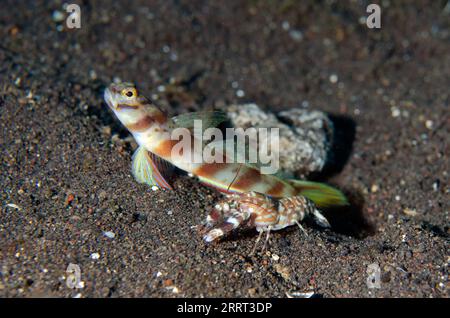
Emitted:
pixel 129 92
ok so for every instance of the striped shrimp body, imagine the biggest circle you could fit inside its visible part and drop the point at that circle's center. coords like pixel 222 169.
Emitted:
pixel 265 202
pixel 261 212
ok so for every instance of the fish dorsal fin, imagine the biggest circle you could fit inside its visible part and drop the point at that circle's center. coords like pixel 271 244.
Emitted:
pixel 241 153
pixel 209 119
pixel 149 169
pixel 233 150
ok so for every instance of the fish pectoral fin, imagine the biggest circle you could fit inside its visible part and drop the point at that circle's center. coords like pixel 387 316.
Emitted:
pixel 149 168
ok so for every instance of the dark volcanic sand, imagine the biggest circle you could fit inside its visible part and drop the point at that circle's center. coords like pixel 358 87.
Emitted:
pixel 66 161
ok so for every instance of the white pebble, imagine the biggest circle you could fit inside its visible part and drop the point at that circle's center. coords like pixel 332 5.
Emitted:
pixel 93 74
pixel 14 206
pixel 175 290
pixel 155 188
pixel 57 16
pixel 429 124
pixel 395 112
pixel 95 256
pixel 275 257
pixel 397 198
pixel 334 78
pixel 297 294
pixel 296 35
pixel 129 18
pixel 109 234
pixel 435 186
pixel 173 56
pixel 240 93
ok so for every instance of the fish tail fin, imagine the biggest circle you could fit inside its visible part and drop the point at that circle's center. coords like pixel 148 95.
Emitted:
pixel 321 194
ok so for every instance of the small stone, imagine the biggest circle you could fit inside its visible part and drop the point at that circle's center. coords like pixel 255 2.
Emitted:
pixel 374 188
pixel 57 16
pixel 296 35
pixel 240 93
pixel 175 290
pixel 93 74
pixel 275 257
pixel 436 185
pixel 251 292
pixel 305 136
pixel 69 199
pixel 297 294
pixel 334 78
pixel 109 234
pixel 102 195
pixel 429 124
pixel 410 212
pixel 14 206
pixel 95 256
pixel 14 30
pixel 106 130
pixel 283 271
pixel 129 18
pixel 395 112
pixel 155 188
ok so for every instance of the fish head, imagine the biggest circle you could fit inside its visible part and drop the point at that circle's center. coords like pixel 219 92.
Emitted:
pixel 131 107
pixel 123 96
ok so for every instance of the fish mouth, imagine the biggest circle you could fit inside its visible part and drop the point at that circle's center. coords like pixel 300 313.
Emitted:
pixel 109 98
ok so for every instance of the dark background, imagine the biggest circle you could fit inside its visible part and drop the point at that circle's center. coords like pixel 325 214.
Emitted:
pixel 65 161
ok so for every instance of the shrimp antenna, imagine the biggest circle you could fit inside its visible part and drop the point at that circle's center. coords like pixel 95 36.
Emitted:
pixel 234 179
